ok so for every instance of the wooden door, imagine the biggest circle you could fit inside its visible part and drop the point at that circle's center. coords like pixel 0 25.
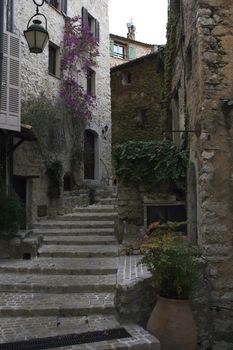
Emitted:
pixel 89 155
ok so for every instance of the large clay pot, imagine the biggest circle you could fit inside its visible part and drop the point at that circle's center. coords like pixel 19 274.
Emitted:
pixel 172 323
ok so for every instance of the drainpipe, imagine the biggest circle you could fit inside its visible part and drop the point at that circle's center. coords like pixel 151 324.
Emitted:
pixel 2 8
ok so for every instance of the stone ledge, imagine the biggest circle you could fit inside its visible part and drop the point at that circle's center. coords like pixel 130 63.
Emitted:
pixel 135 295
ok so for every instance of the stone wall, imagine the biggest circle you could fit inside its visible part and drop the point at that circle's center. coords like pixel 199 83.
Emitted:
pixel 37 80
pixel 142 91
pixel 205 51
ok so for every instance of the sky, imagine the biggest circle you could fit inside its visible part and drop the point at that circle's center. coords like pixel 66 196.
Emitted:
pixel 149 17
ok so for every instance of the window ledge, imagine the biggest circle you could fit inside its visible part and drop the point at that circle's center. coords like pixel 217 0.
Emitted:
pixel 58 11
pixel 54 76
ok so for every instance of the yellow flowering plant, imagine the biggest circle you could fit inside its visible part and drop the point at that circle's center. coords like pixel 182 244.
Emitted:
pixel 171 260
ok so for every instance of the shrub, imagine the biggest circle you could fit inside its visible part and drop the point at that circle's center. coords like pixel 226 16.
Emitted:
pixel 170 259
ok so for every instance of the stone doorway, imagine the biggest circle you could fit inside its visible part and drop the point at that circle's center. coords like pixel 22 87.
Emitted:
pixel 89 155
pixel 20 187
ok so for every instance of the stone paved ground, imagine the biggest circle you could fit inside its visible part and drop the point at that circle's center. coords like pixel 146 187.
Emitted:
pixel 55 295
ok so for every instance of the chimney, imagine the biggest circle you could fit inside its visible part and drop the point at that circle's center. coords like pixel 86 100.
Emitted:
pixel 131 30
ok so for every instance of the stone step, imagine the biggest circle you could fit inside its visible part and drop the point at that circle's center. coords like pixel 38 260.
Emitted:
pixel 95 209
pixel 90 216
pixel 44 304
pixel 74 231
pixel 24 328
pixel 75 224
pixel 108 201
pixel 21 328
pixel 60 251
pixel 61 266
pixel 79 240
pixel 38 283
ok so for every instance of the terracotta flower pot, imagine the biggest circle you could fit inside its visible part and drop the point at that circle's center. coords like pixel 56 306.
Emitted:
pixel 172 323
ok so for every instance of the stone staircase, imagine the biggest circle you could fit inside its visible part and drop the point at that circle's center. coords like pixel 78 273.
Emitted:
pixel 70 287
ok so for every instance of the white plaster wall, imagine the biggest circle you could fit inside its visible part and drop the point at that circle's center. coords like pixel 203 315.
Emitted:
pixel 35 76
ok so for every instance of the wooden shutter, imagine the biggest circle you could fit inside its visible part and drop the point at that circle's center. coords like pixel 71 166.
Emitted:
pixel 132 53
pixel 111 48
pixel 97 31
pixel 84 17
pixel 10 118
pixel 64 7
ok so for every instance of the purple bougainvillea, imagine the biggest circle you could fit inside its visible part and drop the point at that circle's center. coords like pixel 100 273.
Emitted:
pixel 80 52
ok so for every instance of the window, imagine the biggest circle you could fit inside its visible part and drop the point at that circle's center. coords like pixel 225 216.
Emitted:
pixel 165 213
pixel 141 118
pixel 119 50
pixel 54 59
pixel 60 5
pixel 54 3
pixel 126 78
pixel 91 82
pixel 91 23
pixel 10 15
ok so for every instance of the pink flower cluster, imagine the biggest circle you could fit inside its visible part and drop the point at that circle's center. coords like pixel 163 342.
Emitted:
pixel 80 52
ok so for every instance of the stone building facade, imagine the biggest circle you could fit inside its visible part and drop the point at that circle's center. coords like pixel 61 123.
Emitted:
pixel 37 79
pixel 136 89
pixel 201 102
pixel 123 49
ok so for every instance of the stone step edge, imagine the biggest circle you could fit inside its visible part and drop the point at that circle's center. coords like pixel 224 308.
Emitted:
pixel 140 339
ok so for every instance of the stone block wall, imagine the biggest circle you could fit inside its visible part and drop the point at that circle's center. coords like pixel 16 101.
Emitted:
pixel 142 92
pixel 205 50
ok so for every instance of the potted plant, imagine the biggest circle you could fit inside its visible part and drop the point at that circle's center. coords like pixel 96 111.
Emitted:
pixel 173 264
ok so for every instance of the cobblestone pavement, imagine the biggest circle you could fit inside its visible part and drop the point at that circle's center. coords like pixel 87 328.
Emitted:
pixel 62 265
pixel 21 282
pixel 131 271
pixel 95 240
pixel 81 251
pixel 57 295
pixel 43 304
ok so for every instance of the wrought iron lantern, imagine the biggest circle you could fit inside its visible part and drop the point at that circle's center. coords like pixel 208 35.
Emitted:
pixel 36 35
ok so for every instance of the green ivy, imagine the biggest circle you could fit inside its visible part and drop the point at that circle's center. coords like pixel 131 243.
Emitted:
pixel 150 164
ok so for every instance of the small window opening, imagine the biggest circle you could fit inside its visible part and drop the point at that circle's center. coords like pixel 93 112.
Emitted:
pixel 141 118
pixel 67 182
pixel 27 256
pixel 126 79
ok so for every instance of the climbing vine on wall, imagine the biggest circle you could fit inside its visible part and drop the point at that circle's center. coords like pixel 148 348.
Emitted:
pixel 150 164
pixel 80 51
pixel 79 54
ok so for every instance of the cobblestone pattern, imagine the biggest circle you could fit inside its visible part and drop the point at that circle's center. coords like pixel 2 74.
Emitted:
pixel 74 231
pixel 78 251
pixel 130 271
pixel 21 329
pixel 73 224
pixel 19 282
pixel 61 265
pixel 16 329
pixel 135 297
pixel 68 240
pixel 36 304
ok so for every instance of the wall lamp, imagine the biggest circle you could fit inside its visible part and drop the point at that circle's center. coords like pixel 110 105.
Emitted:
pixel 36 35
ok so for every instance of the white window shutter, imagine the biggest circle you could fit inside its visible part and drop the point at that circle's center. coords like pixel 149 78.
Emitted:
pixel 10 118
